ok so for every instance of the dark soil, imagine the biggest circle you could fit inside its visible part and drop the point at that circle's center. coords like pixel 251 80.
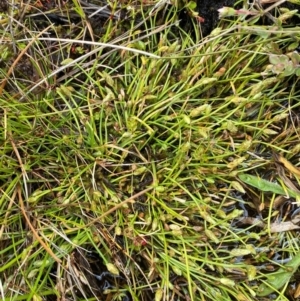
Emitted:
pixel 208 10
pixel 3 6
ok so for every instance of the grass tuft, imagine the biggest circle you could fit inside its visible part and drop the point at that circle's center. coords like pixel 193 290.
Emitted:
pixel 141 161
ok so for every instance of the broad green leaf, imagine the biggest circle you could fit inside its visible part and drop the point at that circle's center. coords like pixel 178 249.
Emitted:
pixel 191 5
pixel 289 69
pixel 295 57
pixel 293 46
pixel 274 59
pixel 267 186
pixel 279 278
pixel 278 59
pixel 278 68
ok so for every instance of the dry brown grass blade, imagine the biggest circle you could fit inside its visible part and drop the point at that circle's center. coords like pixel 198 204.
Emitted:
pixel 288 165
pixel 35 234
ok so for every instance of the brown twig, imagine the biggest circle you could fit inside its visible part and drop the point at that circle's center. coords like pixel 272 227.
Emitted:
pixel 35 234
